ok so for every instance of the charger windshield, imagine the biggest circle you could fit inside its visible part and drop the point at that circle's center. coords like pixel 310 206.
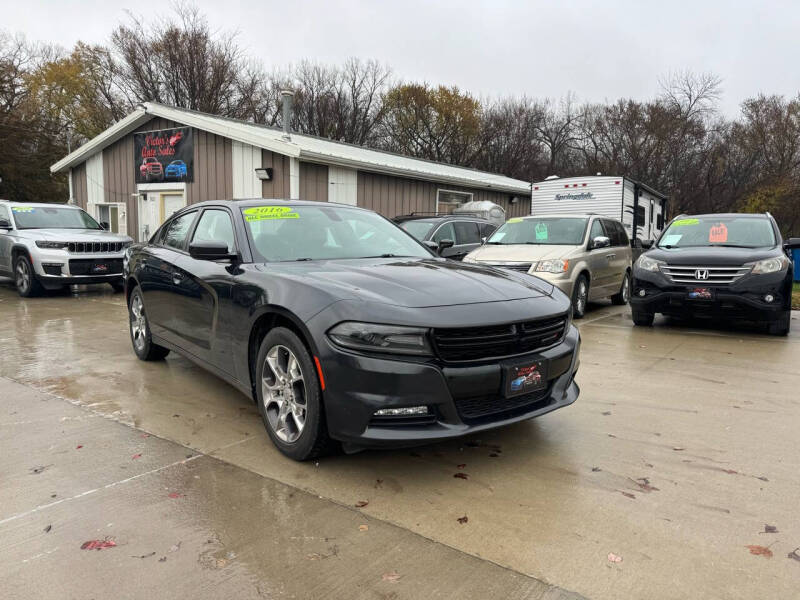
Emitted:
pixel 566 231
pixel 302 232
pixel 55 217
pixel 717 230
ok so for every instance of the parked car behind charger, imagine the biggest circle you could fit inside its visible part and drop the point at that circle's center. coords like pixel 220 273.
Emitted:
pixel 48 246
pixel 726 266
pixel 587 256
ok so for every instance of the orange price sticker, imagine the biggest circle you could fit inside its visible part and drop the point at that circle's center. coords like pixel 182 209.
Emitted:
pixel 718 233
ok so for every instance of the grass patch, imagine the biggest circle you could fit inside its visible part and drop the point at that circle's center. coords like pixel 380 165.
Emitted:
pixel 796 296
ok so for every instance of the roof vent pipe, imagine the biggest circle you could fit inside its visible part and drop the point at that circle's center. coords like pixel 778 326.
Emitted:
pixel 286 98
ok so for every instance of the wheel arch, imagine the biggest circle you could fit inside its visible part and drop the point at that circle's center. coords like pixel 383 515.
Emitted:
pixel 269 318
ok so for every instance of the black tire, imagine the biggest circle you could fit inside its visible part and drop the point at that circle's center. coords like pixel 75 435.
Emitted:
pixel 642 318
pixel 28 285
pixel 621 298
pixel 139 328
pixel 580 297
pixel 119 286
pixel 781 326
pixel 298 442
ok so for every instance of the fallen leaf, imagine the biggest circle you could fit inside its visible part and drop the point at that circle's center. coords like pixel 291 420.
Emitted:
pixel 175 547
pixel 162 559
pixel 642 346
pixel 145 555
pixel 176 415
pixel 678 448
pixel 135 456
pixel 760 551
pixel 37 470
pixel 79 446
pixel 175 495
pixel 596 469
pixel 391 576
pixel 611 435
pixel 378 483
pixel 314 556
pixel 794 555
pixel 644 485
pixel 98 544
pixel 770 529
pixel 461 466
pixel 361 503
pixel 145 435
pixel 363 527
pixel 648 465
pixel 463 519
pixel 493 455
pixel 53 495
pixel 461 475
pixel 47 529
pixel 614 558
pixel 762 478
pixel 606 413
pixel 730 471
pixel 627 494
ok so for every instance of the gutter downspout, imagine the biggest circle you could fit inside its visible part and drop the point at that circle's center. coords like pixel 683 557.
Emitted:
pixel 294 163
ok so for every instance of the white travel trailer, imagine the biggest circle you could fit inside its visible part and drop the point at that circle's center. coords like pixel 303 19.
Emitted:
pixel 617 197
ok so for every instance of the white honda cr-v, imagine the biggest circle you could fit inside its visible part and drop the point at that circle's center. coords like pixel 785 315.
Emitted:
pixel 49 246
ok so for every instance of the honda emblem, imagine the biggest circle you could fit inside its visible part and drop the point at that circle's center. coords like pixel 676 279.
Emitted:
pixel 701 274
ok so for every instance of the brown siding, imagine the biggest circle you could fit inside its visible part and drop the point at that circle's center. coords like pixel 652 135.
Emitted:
pixel 313 182
pixel 278 186
pixel 119 184
pixel 392 196
pixel 80 189
pixel 213 170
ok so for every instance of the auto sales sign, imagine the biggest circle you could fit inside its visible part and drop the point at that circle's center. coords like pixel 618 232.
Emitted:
pixel 164 155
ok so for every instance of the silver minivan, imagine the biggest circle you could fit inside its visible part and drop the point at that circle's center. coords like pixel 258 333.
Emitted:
pixel 587 256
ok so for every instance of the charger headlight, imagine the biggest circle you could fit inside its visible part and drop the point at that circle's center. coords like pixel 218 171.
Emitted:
pixel 769 265
pixel 372 337
pixel 645 263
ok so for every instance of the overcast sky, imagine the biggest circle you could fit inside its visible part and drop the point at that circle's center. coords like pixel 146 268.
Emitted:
pixel 599 50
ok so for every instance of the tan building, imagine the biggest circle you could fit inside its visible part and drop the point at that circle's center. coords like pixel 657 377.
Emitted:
pixel 160 158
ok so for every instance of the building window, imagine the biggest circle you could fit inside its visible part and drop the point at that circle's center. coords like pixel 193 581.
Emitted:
pixel 449 200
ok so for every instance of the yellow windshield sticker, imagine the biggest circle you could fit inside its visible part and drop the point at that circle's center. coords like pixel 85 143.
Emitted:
pixel 680 222
pixel 22 208
pixel 515 220
pixel 267 213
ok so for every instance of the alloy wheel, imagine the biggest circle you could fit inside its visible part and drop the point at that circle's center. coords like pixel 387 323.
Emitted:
pixel 23 279
pixel 138 323
pixel 283 390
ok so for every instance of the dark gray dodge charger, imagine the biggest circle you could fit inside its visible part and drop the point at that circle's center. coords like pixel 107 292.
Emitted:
pixel 344 328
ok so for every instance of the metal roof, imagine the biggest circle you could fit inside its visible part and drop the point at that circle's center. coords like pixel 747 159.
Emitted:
pixel 304 147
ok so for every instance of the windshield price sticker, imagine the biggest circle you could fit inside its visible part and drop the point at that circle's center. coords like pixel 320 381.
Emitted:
pixel 681 222
pixel 22 209
pixel 541 231
pixel 718 233
pixel 268 213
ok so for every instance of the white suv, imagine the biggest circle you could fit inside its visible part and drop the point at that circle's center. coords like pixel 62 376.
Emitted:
pixel 48 246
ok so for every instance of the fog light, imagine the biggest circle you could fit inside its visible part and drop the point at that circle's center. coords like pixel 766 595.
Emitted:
pixel 402 412
pixel 769 298
pixel 642 293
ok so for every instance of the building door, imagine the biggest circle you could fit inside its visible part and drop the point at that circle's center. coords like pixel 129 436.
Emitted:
pixel 155 207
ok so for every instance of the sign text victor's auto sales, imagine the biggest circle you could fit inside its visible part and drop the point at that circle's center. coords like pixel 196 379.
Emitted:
pixel 575 196
pixel 164 155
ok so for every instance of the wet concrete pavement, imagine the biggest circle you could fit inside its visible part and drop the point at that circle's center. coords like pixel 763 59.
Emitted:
pixel 682 446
